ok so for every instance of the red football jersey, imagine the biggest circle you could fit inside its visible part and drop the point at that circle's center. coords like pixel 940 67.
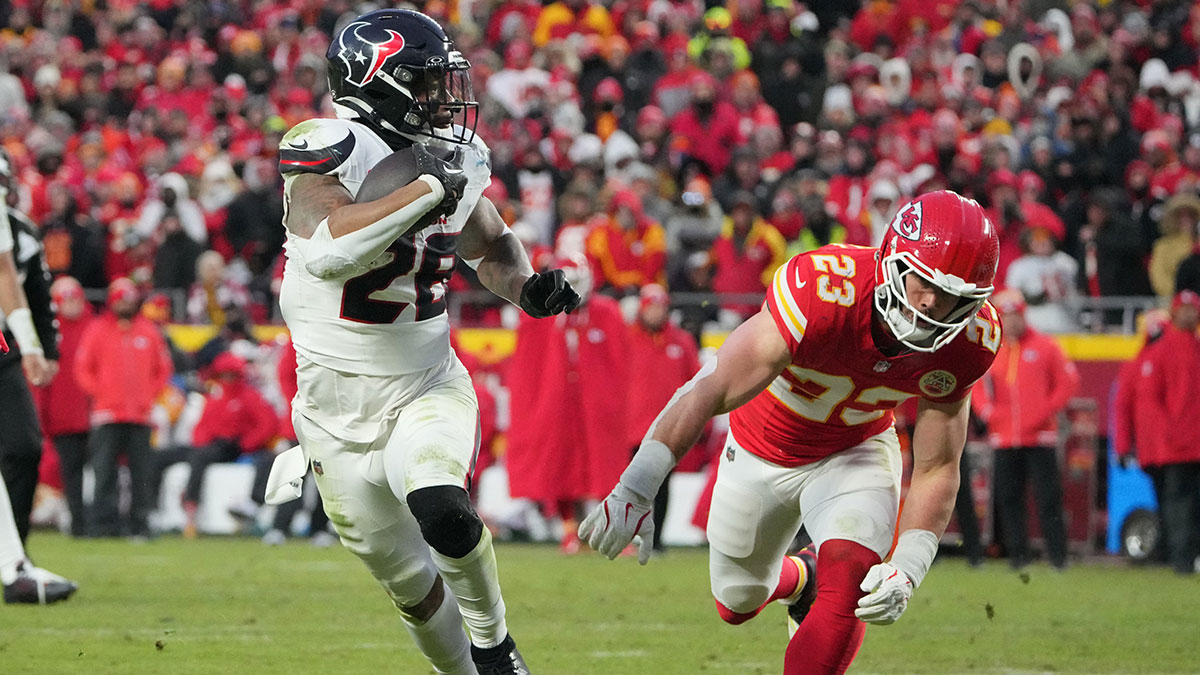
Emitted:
pixel 840 389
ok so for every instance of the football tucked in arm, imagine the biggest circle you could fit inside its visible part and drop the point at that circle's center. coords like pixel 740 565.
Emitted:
pixel 395 171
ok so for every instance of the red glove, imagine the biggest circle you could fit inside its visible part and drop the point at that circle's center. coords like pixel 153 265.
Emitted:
pixel 3 345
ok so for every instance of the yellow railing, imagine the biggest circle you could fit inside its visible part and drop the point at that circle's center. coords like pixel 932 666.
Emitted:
pixel 495 344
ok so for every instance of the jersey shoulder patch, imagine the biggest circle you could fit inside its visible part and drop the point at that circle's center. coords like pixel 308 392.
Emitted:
pixel 316 146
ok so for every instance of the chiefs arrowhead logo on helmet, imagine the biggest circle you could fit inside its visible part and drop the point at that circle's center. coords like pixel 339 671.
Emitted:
pixel 363 66
pixel 908 222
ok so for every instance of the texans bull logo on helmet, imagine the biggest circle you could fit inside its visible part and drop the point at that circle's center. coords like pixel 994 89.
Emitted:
pixel 908 222
pixel 361 66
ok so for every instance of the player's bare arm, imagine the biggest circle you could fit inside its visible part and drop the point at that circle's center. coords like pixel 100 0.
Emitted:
pixel 938 439
pixel 752 356
pixel 499 257
pixel 315 197
pixel 494 251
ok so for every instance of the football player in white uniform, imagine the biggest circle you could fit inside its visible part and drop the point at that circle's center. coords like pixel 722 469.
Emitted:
pixel 385 413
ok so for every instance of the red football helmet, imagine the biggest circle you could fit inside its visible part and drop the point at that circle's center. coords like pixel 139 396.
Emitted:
pixel 947 240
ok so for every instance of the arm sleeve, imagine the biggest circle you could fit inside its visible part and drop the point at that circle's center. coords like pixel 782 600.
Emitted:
pixel 37 292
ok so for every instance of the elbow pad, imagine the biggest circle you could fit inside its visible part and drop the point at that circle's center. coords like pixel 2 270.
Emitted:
pixel 329 257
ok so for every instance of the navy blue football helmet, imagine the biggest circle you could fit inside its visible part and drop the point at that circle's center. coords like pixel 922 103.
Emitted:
pixel 398 71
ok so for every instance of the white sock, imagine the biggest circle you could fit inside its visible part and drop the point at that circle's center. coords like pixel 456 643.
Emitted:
pixel 442 639
pixel 12 553
pixel 475 581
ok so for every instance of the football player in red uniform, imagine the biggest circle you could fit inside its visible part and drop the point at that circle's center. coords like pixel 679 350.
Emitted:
pixel 845 335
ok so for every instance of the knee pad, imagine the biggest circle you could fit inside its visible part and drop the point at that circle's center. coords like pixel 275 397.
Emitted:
pixel 448 523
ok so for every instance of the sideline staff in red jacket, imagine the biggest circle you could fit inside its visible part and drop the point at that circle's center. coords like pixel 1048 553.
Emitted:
pixel 662 358
pixel 1172 391
pixel 123 364
pixel 1029 383
pixel 64 404
pixel 236 420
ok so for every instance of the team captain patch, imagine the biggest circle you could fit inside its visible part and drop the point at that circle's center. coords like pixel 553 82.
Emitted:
pixel 937 383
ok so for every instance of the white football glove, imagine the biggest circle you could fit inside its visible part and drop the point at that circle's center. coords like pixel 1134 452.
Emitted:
pixel 622 517
pixel 888 591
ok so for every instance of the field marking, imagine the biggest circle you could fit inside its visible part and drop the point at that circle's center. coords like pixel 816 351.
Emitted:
pixel 239 632
pixel 624 625
pixel 625 654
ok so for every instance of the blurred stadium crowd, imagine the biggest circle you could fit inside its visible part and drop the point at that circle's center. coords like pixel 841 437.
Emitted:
pixel 688 144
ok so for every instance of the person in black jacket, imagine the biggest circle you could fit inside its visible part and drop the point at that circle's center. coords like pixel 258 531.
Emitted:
pixel 29 329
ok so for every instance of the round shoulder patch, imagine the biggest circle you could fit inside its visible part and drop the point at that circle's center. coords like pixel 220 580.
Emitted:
pixel 938 383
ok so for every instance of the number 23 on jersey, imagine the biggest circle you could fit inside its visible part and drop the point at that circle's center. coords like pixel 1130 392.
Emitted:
pixel 834 285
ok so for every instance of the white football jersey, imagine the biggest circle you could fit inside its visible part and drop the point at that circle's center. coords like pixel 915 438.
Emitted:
pixel 391 319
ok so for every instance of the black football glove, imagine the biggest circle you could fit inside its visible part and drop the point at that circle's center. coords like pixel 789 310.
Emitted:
pixel 449 173
pixel 548 293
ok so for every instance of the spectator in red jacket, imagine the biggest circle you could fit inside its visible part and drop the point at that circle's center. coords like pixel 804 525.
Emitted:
pixel 746 254
pixel 662 358
pixel 236 420
pixel 1172 397
pixel 123 364
pixel 629 250
pixel 709 125
pixel 1019 399
pixel 65 405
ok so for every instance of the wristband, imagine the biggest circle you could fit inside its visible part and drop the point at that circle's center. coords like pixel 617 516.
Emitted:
pixel 20 322
pixel 914 554
pixel 439 190
pixel 649 468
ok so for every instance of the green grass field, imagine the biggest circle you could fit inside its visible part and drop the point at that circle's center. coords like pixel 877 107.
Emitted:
pixel 235 606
